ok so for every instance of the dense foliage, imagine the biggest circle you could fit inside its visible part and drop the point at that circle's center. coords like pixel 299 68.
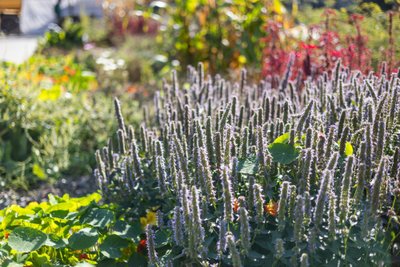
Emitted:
pixel 68 232
pixel 252 175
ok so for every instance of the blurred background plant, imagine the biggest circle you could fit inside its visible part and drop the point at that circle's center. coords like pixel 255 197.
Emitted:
pixel 52 120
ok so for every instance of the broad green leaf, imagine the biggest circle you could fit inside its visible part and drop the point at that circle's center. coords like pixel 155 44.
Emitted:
pixel 248 166
pixel 348 151
pixel 112 245
pixel 98 217
pixel 125 230
pixel 283 153
pixel 85 238
pixel 161 238
pixel 26 239
pixel 282 139
pixel 55 241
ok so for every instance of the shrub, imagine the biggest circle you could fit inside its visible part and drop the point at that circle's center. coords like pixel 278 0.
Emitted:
pixel 66 232
pixel 247 175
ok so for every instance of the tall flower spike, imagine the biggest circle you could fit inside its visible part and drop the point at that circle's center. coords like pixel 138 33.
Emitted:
pixel 161 174
pixel 343 140
pixel 292 201
pixel 332 215
pixel 258 202
pixel 181 156
pixel 209 141
pixel 298 220
pixel 198 230
pixel 329 143
pixel 345 190
pixel 235 256
pixel 321 198
pixel 207 176
pixel 221 245
pixel 282 204
pixel 381 142
pixel 185 200
pixel 177 226
pixel 377 183
pixel 332 161
pixel 118 113
pixel 244 230
pixel 228 144
pixel 151 248
pixel 218 149
pixel 244 143
pixel 303 118
pixel 121 142
pixel 227 195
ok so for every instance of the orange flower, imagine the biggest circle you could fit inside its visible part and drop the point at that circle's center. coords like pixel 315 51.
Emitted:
pixel 6 235
pixel 235 205
pixel 271 208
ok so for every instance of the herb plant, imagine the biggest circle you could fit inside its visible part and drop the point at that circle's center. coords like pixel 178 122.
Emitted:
pixel 252 175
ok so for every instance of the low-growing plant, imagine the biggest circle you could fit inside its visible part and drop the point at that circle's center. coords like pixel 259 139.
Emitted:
pixel 68 232
pixel 248 175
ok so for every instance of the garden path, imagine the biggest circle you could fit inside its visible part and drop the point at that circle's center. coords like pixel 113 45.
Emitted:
pixel 17 49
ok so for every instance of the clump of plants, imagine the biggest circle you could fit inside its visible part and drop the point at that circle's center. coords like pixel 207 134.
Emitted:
pixel 315 44
pixel 247 174
pixel 68 232
pixel 49 114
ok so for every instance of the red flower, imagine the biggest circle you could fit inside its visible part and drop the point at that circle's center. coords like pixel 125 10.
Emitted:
pixel 6 235
pixel 83 256
pixel 141 246
pixel 335 53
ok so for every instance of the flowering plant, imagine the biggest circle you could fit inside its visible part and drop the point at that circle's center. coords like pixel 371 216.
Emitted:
pixel 245 175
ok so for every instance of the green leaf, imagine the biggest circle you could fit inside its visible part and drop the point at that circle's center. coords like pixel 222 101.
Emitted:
pixel 138 260
pixel 85 238
pixel 125 230
pixel 283 139
pixel 248 166
pixel 55 241
pixel 161 238
pixel 283 153
pixel 39 259
pixel 38 171
pixel 348 151
pixel 98 217
pixel 112 245
pixel 26 239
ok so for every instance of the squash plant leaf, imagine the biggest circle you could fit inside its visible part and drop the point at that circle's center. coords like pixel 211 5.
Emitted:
pixel 112 245
pixel 282 139
pixel 98 217
pixel 283 153
pixel 83 239
pixel 248 166
pixel 26 239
